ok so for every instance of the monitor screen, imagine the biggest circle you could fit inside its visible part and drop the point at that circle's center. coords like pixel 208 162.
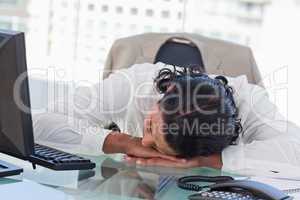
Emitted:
pixel 16 132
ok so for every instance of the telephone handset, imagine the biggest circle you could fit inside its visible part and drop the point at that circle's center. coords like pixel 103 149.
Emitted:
pixel 227 188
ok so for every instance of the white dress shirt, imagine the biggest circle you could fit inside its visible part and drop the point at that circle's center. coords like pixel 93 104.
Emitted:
pixel 75 121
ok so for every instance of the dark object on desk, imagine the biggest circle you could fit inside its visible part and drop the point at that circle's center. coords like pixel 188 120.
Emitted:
pixel 108 172
pixel 227 188
pixel 86 174
pixel 7 169
pixel 16 131
pixel 59 160
pixel 179 52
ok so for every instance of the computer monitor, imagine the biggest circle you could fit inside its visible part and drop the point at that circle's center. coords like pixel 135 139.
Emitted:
pixel 16 132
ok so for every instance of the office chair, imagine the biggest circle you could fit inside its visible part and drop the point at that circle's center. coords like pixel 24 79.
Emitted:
pixel 220 57
pixel 179 52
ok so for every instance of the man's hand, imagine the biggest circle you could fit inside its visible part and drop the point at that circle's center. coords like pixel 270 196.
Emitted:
pixel 213 161
pixel 136 149
pixel 132 146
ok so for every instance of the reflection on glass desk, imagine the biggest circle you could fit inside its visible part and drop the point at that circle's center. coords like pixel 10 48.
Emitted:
pixel 114 179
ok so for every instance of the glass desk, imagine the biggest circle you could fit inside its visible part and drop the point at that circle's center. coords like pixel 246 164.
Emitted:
pixel 112 179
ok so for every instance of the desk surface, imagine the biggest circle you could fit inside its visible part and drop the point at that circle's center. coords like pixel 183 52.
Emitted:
pixel 112 179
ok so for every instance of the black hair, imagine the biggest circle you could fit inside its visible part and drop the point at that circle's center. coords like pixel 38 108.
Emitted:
pixel 191 101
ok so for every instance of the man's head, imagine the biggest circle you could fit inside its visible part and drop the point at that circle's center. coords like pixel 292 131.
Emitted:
pixel 196 116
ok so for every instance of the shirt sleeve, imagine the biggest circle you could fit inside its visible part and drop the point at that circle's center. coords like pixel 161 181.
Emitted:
pixel 75 119
pixel 267 136
pixel 63 132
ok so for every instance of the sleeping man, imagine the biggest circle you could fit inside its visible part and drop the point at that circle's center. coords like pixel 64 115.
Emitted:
pixel 174 117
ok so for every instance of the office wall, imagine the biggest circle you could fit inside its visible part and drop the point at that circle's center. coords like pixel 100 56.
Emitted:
pixel 73 36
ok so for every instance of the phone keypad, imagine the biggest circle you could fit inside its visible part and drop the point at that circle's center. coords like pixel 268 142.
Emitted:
pixel 222 195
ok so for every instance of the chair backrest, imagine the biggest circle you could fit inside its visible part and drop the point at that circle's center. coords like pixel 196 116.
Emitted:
pixel 179 54
pixel 217 56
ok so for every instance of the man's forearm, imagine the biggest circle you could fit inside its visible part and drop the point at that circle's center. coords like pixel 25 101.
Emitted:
pixel 115 142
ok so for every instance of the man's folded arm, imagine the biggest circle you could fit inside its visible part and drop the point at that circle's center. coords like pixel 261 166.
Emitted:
pixel 75 121
pixel 69 134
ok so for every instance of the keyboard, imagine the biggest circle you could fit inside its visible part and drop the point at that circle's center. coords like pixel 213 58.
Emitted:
pixel 59 160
